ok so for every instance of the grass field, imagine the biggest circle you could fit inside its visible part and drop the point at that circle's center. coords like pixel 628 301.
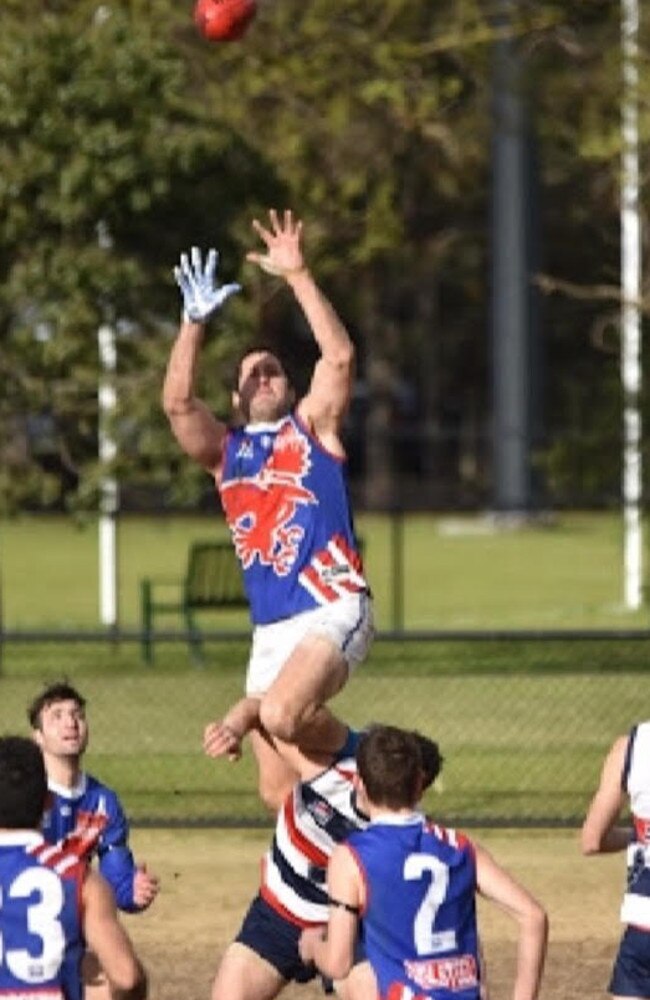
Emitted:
pixel 523 724
pixel 458 574
pixel 209 877
pixel 523 734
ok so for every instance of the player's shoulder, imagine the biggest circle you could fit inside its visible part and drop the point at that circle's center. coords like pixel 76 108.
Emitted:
pixel 102 796
pixel 97 787
pixel 447 836
pixel 66 857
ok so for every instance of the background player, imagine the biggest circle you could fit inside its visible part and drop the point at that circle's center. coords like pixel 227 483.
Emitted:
pixel 414 884
pixel 84 812
pixel 52 903
pixel 280 476
pixel 625 777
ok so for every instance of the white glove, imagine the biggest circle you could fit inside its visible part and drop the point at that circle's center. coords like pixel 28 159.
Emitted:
pixel 201 295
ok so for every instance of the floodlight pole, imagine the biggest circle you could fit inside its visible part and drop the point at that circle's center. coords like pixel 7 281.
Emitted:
pixel 630 310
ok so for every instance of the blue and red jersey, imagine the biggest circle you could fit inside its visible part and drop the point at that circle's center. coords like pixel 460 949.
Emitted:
pixel 90 818
pixel 419 921
pixel 286 502
pixel 40 918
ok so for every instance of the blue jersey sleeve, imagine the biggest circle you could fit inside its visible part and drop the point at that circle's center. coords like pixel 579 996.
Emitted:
pixel 116 861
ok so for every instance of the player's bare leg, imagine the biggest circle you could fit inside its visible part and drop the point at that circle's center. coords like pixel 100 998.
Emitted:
pixel 359 984
pixel 324 734
pixel 243 975
pixel 314 673
pixel 275 777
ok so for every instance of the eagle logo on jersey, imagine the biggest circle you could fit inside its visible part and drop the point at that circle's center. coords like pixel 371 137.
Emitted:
pixel 260 509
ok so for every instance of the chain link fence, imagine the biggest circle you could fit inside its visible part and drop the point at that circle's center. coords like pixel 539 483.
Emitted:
pixel 523 720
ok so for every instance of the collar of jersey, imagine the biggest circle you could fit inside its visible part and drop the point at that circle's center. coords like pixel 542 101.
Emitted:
pixel 265 428
pixel 397 819
pixel 20 838
pixel 69 793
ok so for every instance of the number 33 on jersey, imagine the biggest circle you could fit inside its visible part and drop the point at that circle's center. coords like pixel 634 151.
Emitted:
pixel 40 924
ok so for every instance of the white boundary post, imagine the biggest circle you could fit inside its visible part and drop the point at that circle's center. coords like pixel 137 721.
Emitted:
pixel 107 397
pixel 630 310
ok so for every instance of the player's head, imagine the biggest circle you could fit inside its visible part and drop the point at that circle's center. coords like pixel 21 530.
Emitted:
pixel 23 784
pixel 391 766
pixel 263 390
pixel 58 719
pixel 432 759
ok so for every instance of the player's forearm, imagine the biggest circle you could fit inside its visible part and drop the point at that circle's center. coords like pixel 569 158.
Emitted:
pixel 618 838
pixel 136 989
pixel 334 964
pixel 243 716
pixel 328 330
pixel 530 955
pixel 178 388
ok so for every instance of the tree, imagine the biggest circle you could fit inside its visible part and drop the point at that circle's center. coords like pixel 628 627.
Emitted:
pixel 109 167
pixel 372 122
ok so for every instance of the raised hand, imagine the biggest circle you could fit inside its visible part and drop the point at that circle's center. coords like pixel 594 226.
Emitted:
pixel 283 255
pixel 202 296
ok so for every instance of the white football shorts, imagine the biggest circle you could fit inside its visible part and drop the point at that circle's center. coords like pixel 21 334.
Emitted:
pixel 348 623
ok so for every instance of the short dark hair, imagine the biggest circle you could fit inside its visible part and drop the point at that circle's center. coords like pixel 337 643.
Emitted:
pixel 23 783
pixel 389 762
pixel 61 691
pixel 396 765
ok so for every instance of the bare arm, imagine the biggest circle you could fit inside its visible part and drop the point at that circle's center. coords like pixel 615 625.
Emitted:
pixel 333 951
pixel 197 431
pixel 327 400
pixel 497 885
pixel 599 832
pixel 110 942
pixel 223 737
pixel 195 428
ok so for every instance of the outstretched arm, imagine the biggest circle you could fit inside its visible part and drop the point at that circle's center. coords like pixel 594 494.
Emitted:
pixel 327 400
pixel 496 884
pixel 599 832
pixel 196 429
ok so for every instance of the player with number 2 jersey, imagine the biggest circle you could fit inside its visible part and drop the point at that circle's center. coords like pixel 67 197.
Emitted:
pixel 420 933
pixel 413 885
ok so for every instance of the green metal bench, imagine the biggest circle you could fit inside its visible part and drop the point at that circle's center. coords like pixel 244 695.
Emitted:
pixel 213 580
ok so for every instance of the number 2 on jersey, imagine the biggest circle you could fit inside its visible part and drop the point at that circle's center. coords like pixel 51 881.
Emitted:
pixel 415 866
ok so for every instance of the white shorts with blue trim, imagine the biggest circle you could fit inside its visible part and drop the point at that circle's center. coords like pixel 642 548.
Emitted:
pixel 348 623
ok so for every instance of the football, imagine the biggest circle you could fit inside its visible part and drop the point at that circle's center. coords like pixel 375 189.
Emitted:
pixel 224 20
